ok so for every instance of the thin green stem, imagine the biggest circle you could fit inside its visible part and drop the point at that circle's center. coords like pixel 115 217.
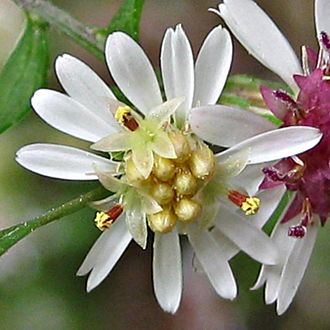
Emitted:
pixel 10 236
pixel 84 35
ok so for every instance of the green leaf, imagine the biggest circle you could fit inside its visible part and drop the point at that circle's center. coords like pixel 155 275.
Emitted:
pixel 127 19
pixel 24 72
pixel 12 235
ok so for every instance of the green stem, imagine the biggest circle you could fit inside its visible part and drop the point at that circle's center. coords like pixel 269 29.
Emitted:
pixel 82 34
pixel 10 236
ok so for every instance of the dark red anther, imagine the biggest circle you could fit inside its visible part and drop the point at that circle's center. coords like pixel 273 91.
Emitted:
pixel 115 212
pixel 325 41
pixel 298 231
pixel 236 197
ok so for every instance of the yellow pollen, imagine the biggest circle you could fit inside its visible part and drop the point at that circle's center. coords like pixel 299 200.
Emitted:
pixel 102 221
pixel 251 205
pixel 121 113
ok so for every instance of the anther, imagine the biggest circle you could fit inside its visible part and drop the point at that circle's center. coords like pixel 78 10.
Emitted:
pixel 124 116
pixel 249 205
pixel 298 231
pixel 104 220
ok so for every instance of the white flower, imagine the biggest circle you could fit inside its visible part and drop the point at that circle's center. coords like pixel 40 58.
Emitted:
pixel 180 184
pixel 263 40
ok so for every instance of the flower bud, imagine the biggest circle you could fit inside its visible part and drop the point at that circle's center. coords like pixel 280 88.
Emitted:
pixel 162 222
pixel 132 173
pixel 162 193
pixel 181 146
pixel 164 169
pixel 185 183
pixel 187 209
pixel 202 162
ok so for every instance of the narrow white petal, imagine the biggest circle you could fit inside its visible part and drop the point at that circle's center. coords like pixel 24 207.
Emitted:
pixel 177 64
pixel 137 226
pixel 322 14
pixel 212 66
pixel 261 38
pixel 226 126
pixel 167 271
pixel 232 165
pixel 114 142
pixel 277 144
pixel 69 116
pixel 132 71
pixel 272 274
pixel 107 253
pixel 85 86
pixel 213 261
pixel 270 199
pixel 228 248
pixel 294 269
pixel 143 159
pixel 98 247
pixel 162 113
pixel 250 178
pixel 249 238
pixel 62 162
pixel 163 146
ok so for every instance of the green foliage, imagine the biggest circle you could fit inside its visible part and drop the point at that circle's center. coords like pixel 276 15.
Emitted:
pixel 24 72
pixel 127 19
pixel 12 235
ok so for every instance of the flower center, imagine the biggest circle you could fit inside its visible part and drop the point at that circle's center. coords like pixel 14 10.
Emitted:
pixel 175 183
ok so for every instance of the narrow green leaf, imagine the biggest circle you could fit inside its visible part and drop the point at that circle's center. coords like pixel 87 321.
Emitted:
pixel 10 236
pixel 127 19
pixel 24 72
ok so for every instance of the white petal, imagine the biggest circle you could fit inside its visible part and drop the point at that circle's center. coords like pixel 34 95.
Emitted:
pixel 213 261
pixel 177 64
pixel 132 71
pixel 105 253
pixel 69 116
pixel 167 271
pixel 114 142
pixel 232 165
pixel 322 14
pixel 250 179
pixel 261 38
pixel 226 126
pixel 137 226
pixel 143 159
pixel 85 86
pixel 98 247
pixel 212 66
pixel 163 146
pixel 228 248
pixel 272 274
pixel 162 113
pixel 277 144
pixel 294 269
pixel 62 162
pixel 249 238
pixel 270 199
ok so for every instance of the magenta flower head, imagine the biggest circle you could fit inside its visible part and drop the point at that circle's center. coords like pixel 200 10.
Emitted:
pixel 307 176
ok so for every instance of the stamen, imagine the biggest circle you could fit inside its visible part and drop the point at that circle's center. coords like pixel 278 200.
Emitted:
pixel 325 41
pixel 104 220
pixel 298 231
pixel 249 205
pixel 124 116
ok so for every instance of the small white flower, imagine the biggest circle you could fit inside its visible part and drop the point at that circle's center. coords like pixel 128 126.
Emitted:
pixel 180 183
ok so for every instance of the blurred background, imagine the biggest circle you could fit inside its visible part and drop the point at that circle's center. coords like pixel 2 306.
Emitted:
pixel 38 286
